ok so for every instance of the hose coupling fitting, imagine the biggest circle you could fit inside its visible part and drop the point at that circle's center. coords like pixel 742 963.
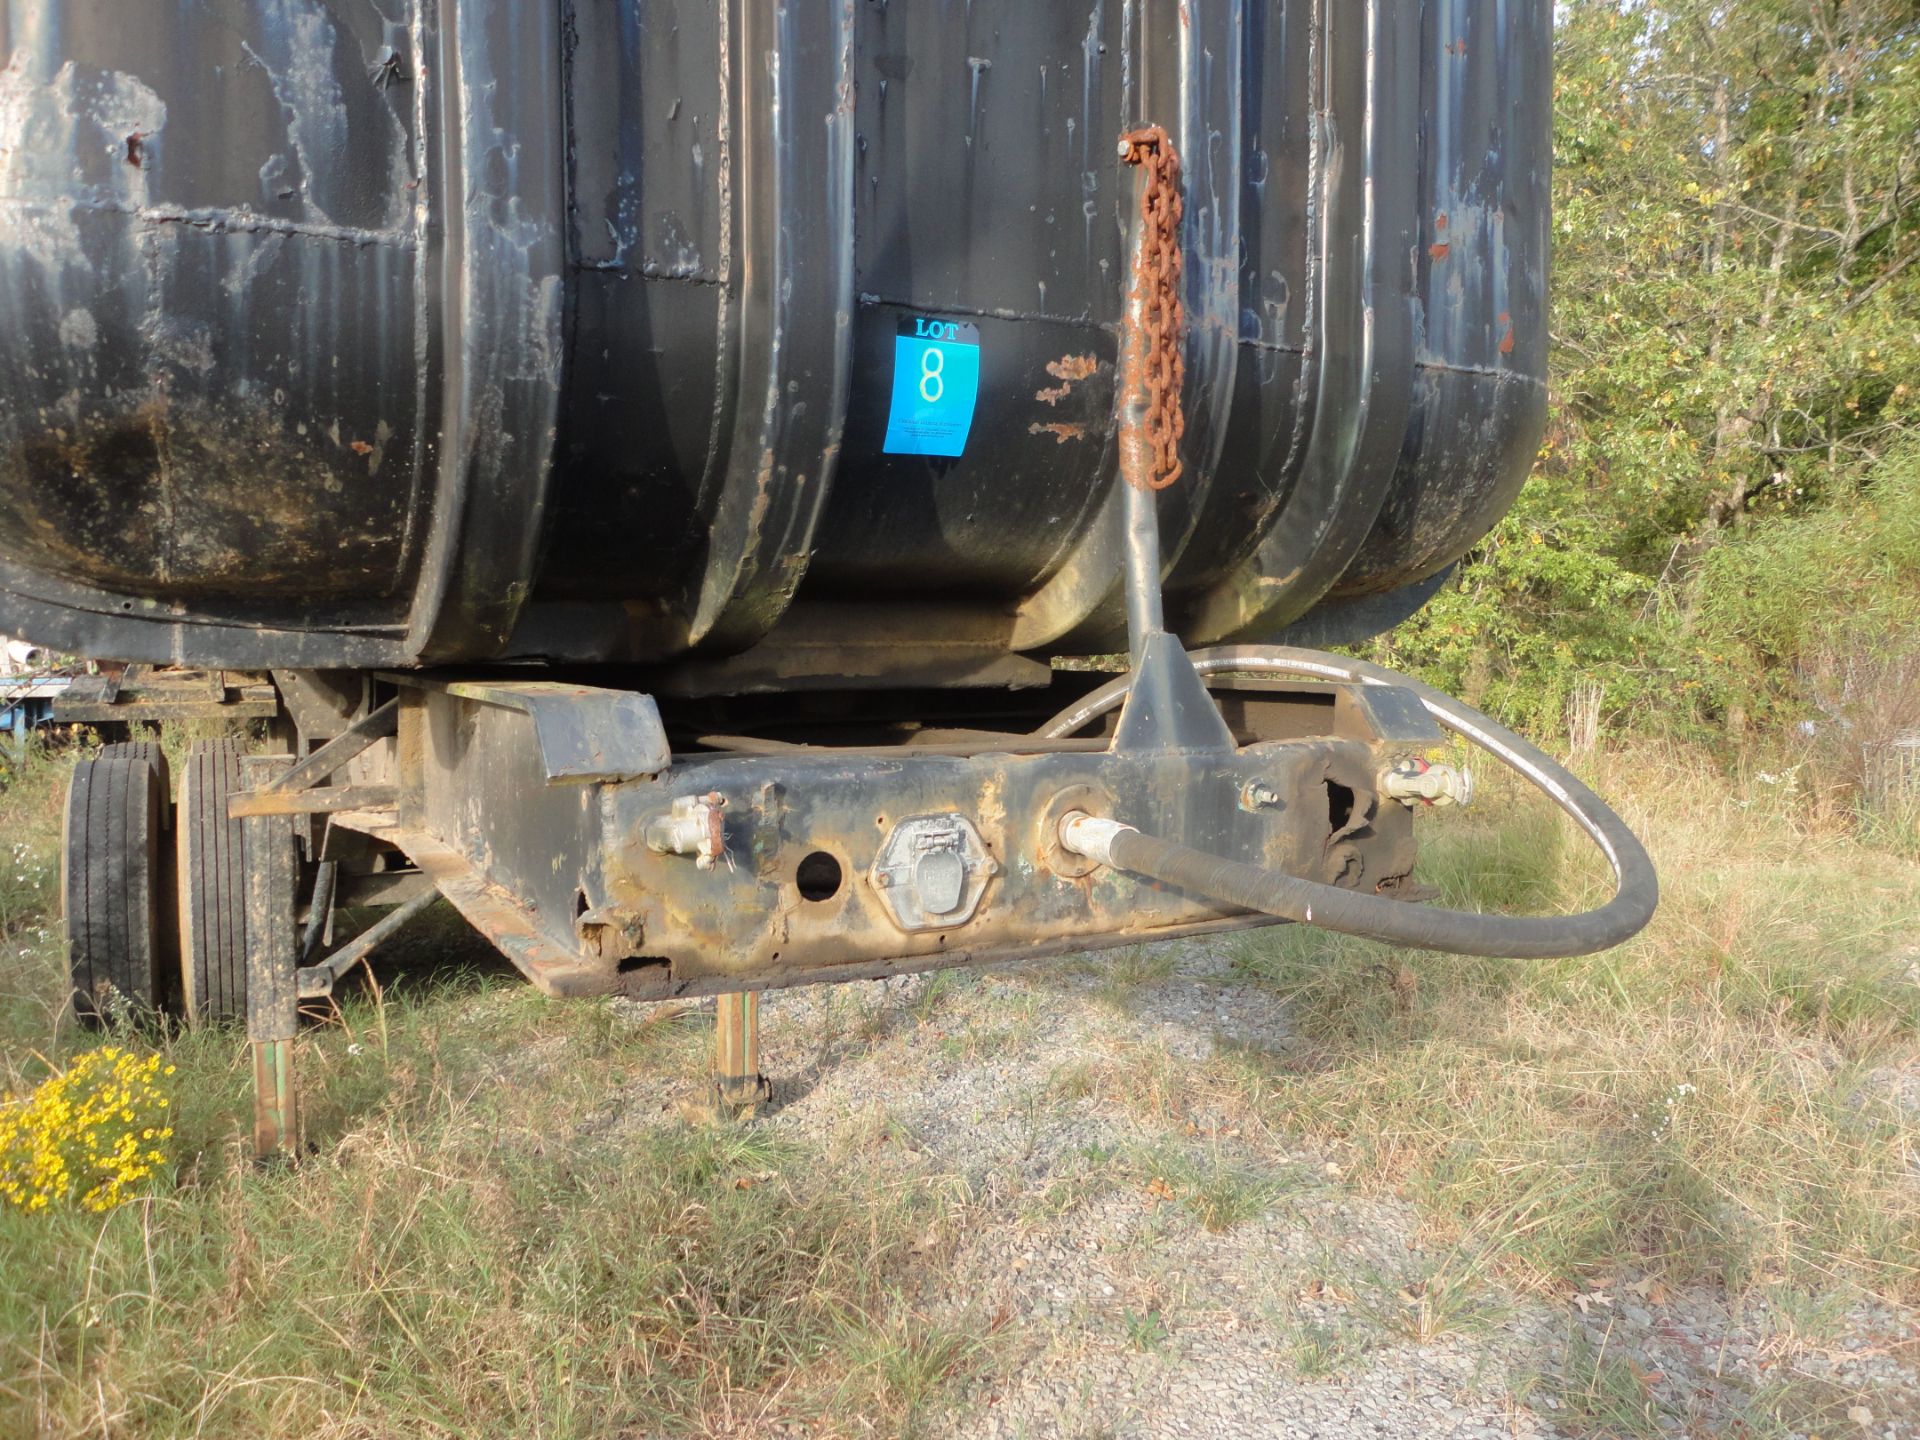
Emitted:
pixel 1414 782
pixel 1089 835
pixel 693 826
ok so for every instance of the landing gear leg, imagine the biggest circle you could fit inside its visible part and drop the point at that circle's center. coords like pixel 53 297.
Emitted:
pixel 273 1003
pixel 739 1088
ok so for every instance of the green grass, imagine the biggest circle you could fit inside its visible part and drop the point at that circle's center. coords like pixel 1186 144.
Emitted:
pixel 33 787
pixel 464 1254
pixel 1124 973
pixel 1448 1296
pixel 1324 1349
pixel 468 1252
pixel 1603 1393
pixel 1146 1331
pixel 1220 1192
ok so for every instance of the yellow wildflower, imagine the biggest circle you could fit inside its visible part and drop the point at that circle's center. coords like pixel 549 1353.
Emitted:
pixel 78 1137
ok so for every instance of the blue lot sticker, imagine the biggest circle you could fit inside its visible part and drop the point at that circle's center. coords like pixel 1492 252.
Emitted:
pixel 936 379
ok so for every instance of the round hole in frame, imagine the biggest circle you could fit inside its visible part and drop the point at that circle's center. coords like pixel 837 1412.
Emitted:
pixel 818 877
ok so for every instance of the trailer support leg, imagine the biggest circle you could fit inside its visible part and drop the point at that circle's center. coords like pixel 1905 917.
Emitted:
pixel 738 1086
pixel 273 956
pixel 274 1118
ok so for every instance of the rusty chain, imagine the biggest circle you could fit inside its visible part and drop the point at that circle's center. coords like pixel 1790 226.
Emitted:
pixel 1160 354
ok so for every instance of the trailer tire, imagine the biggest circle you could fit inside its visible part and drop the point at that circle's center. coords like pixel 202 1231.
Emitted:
pixel 211 872
pixel 112 887
pixel 149 751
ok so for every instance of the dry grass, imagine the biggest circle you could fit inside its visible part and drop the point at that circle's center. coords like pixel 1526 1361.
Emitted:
pixel 1712 1101
pixel 1862 760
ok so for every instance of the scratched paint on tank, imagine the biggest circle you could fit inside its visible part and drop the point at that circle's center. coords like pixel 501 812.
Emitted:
pixel 181 413
pixel 1024 242
pixel 1480 338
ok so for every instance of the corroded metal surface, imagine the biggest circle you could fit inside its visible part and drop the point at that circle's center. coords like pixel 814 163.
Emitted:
pixel 576 884
pixel 348 334
pixel 1153 336
pixel 143 694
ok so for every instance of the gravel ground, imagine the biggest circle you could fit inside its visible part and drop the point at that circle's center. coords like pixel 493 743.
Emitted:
pixel 1312 1311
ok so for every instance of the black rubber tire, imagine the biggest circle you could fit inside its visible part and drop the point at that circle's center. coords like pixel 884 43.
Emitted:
pixel 112 885
pixel 147 750
pixel 211 870
pixel 167 958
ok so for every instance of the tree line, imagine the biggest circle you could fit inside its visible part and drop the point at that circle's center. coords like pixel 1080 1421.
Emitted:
pixel 1718 538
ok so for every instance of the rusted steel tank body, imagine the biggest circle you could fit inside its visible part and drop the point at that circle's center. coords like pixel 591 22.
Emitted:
pixel 337 333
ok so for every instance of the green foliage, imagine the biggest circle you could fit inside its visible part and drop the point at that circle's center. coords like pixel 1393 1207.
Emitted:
pixel 32 790
pixel 1737 336
pixel 1146 1332
pixel 1542 603
pixel 1849 572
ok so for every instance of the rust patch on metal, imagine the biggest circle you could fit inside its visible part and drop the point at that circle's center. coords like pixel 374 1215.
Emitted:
pixel 1440 221
pixel 1506 340
pixel 1068 370
pixel 1060 432
pixel 361 447
pixel 1438 250
pixel 113 499
pixel 137 149
pixel 1151 334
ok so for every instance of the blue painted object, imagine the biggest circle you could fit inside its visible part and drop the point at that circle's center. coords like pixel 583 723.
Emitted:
pixel 936 380
pixel 26 705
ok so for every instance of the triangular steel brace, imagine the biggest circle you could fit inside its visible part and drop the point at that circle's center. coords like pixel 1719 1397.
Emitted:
pixel 1168 707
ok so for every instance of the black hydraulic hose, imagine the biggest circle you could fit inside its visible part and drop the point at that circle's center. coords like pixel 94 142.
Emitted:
pixel 1350 912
